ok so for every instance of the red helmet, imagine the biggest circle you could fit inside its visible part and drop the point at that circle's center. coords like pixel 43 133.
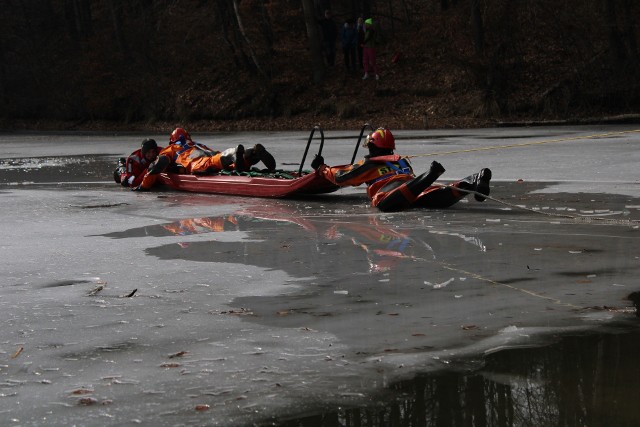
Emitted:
pixel 382 138
pixel 178 134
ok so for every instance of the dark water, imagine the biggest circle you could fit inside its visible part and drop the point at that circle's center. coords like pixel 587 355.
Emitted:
pixel 585 380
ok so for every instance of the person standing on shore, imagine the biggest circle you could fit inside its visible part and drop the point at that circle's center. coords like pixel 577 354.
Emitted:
pixel 349 40
pixel 369 50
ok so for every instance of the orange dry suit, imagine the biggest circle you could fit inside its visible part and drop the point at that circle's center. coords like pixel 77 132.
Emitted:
pixel 392 185
pixel 186 157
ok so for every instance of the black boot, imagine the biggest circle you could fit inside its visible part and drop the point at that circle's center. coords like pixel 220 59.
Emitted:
pixel 481 184
pixel 258 153
pixel 397 200
pixel 239 160
pixel 420 183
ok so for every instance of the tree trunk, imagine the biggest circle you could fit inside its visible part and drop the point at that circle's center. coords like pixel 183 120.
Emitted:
pixel 315 43
pixel 616 45
pixel 116 17
pixel 477 27
pixel 630 29
pixel 229 32
pixel 246 39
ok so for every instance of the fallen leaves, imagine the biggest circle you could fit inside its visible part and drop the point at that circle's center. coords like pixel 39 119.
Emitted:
pixel 95 291
pixel 88 401
pixel 170 365
pixel 17 353
pixel 241 312
pixel 178 354
pixel 80 391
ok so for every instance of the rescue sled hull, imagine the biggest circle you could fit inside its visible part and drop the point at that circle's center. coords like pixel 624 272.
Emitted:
pixel 250 186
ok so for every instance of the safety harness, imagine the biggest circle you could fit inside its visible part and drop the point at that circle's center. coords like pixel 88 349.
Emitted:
pixel 402 168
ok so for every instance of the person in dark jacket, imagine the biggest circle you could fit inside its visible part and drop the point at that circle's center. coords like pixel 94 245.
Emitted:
pixel 360 31
pixel 349 40
pixel 329 38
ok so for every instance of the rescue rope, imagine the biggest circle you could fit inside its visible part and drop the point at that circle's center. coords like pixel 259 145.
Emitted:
pixel 579 218
pixel 476 276
pixel 526 144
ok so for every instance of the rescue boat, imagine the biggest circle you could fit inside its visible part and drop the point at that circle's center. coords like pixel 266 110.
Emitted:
pixel 252 184
pixel 256 183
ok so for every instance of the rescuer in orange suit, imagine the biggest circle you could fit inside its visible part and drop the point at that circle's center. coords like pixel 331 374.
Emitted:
pixel 391 183
pixel 131 170
pixel 183 155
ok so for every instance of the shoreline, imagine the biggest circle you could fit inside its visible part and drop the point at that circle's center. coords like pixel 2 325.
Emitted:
pixel 295 124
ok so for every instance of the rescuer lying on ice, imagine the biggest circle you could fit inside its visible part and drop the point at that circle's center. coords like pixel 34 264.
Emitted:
pixel 131 170
pixel 391 183
pixel 183 155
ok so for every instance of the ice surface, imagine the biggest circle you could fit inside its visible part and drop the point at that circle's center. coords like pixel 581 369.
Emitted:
pixel 246 309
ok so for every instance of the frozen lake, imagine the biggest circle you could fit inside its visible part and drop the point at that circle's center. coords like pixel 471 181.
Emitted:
pixel 164 308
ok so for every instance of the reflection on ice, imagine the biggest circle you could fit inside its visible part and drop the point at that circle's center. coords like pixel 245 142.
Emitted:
pixel 383 247
pixel 579 380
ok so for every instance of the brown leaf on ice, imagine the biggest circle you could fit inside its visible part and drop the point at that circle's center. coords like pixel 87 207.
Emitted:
pixel 82 391
pixel 17 353
pixel 87 401
pixel 170 365
pixel 96 290
pixel 240 312
pixel 469 327
pixel 178 354
pixel 203 407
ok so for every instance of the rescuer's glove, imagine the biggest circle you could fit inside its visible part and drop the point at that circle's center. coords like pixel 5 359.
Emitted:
pixel 318 160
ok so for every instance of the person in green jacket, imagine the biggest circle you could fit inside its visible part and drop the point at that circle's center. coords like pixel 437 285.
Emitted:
pixel 369 50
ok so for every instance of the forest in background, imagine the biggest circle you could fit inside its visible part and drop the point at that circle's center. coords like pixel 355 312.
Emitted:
pixel 257 64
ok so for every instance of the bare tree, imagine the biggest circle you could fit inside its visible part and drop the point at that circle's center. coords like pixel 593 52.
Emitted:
pixel 315 42
pixel 79 19
pixel 477 27
pixel 621 27
pixel 230 32
pixel 116 17
pixel 252 52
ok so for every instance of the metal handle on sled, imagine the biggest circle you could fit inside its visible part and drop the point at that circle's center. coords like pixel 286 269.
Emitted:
pixel 355 152
pixel 304 156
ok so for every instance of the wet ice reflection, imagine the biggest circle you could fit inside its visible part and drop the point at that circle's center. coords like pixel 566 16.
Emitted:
pixel 370 244
pixel 436 275
pixel 578 381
